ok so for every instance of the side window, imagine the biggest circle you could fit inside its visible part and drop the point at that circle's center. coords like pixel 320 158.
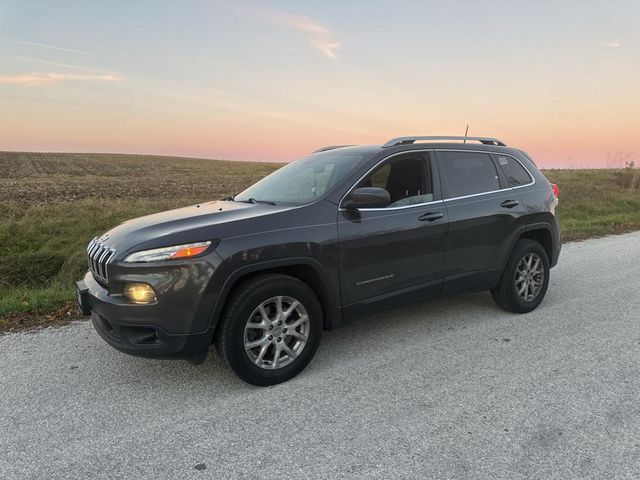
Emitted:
pixel 379 177
pixel 407 179
pixel 467 173
pixel 515 173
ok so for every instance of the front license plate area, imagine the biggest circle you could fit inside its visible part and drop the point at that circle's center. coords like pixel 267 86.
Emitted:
pixel 82 298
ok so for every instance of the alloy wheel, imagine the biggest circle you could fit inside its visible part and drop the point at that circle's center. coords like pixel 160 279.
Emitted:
pixel 529 277
pixel 276 332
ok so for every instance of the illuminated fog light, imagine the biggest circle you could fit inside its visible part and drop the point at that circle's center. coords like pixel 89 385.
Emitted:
pixel 139 293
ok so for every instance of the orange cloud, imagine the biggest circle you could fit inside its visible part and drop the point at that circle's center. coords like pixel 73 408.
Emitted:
pixel 319 36
pixel 41 79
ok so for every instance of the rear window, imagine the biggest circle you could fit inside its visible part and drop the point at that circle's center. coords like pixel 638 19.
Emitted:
pixel 514 171
pixel 467 173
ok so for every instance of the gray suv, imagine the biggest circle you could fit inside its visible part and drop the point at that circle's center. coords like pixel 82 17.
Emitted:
pixel 341 232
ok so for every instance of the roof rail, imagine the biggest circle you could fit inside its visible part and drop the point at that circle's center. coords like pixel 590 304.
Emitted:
pixel 331 147
pixel 409 140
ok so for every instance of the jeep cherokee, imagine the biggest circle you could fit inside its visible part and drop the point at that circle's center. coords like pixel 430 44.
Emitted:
pixel 338 233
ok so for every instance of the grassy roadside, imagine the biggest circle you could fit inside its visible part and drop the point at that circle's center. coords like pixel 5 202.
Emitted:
pixel 51 204
pixel 594 203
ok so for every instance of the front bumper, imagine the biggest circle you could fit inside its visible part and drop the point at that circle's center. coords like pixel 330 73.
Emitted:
pixel 156 331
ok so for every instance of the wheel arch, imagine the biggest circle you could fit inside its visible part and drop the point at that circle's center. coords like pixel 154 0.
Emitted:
pixel 539 232
pixel 306 270
pixel 542 235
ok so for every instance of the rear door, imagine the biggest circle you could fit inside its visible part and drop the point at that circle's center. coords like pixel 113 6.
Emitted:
pixel 483 212
pixel 401 248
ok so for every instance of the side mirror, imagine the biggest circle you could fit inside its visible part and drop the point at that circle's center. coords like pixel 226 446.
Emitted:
pixel 367 197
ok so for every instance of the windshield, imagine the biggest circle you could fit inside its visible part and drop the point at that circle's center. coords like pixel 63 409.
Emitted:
pixel 302 181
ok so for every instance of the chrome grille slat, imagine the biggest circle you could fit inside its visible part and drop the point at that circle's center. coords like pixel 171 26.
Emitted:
pixel 92 246
pixel 90 251
pixel 102 262
pixel 95 259
pixel 91 258
pixel 109 257
pixel 99 256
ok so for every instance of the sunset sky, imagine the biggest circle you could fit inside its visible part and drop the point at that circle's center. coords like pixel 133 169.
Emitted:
pixel 275 80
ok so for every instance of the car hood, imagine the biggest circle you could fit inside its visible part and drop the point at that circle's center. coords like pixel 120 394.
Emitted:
pixel 182 225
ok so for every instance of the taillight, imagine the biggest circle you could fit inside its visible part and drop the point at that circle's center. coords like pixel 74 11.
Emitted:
pixel 555 190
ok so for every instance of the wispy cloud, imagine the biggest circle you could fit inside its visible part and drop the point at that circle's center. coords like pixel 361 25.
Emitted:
pixel 64 65
pixel 609 44
pixel 42 79
pixel 318 36
pixel 53 47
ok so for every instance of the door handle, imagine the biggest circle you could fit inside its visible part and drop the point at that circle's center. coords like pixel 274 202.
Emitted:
pixel 431 217
pixel 510 203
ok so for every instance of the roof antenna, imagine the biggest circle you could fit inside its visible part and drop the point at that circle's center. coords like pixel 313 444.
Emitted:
pixel 465 134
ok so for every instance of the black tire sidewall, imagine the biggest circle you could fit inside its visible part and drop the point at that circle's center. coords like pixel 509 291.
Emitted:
pixel 233 343
pixel 523 248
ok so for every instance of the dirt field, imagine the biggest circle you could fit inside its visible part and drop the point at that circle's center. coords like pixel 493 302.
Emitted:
pixel 30 179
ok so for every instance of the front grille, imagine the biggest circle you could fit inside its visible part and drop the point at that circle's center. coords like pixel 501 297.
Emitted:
pixel 99 256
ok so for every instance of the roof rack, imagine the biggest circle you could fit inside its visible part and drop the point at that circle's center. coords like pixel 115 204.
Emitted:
pixel 331 147
pixel 409 140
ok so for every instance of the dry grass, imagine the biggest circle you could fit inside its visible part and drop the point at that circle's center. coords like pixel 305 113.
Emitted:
pixel 630 178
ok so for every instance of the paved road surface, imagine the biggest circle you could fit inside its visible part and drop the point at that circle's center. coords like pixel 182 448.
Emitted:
pixel 452 388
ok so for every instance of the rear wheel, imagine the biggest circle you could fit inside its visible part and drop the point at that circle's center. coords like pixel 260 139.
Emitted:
pixel 271 329
pixel 525 279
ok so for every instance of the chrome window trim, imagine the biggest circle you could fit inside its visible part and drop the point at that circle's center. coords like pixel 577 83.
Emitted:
pixel 387 209
pixel 443 200
pixel 478 194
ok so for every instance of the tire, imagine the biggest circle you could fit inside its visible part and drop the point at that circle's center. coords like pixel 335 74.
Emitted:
pixel 509 293
pixel 244 323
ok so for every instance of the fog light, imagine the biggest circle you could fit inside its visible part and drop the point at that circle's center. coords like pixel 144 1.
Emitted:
pixel 139 293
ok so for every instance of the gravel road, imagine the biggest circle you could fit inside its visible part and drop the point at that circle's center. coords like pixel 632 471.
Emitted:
pixel 451 388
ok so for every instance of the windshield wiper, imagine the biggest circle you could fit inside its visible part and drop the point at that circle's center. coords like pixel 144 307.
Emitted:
pixel 253 200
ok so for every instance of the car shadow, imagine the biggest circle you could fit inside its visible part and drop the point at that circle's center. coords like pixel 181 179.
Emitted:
pixel 357 340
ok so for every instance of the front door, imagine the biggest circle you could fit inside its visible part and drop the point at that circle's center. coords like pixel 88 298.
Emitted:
pixel 385 252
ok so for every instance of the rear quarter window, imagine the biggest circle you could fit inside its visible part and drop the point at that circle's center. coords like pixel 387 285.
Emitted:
pixel 516 174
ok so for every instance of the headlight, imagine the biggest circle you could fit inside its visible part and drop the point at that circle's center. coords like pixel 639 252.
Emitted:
pixel 168 253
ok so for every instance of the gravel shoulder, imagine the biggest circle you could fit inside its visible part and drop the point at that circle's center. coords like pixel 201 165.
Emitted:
pixel 450 388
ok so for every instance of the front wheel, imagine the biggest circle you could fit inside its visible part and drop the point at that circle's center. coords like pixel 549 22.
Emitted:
pixel 525 278
pixel 270 330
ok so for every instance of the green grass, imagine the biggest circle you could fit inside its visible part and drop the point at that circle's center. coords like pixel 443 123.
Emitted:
pixel 42 247
pixel 594 203
pixel 52 204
